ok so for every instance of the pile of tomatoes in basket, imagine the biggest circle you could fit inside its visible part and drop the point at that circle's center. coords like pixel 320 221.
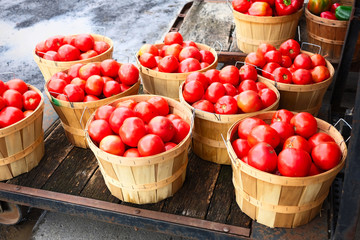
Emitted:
pixel 93 81
pixel 70 48
pixel 17 101
pixel 267 7
pixel 288 64
pixel 302 150
pixel 228 91
pixel 176 56
pixel 137 129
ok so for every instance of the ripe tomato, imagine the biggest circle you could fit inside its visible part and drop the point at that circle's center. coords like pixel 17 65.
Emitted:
pixel 285 61
pixel 40 49
pixel 94 85
pixel 31 100
pixel 146 111
pixel 84 42
pixel 189 65
pixel 282 75
pixel 268 97
pixel 318 138
pixel 256 59
pixel 198 76
pixel 161 105
pixel 10 115
pixel 69 39
pixel 62 76
pixel 246 125
pixel 212 75
pixel 290 48
pixel 204 105
pixel 51 55
pixel 305 124
pixel 247 85
pixel 2 103
pixel 98 129
pixel 260 85
pixel 132 130
pixel 241 5
pixel 28 113
pixel 268 69
pixel 273 56
pixel 230 89
pixel 298 142
pixel 263 157
pixel 74 93
pixel 172 116
pixel 169 145
pixel 303 61
pixel 248 72
pixel 226 105
pixel 173 37
pixel 326 155
pixel 68 52
pixel 128 74
pixel 88 70
pixel 132 152
pixel 62 97
pixel 112 144
pixel 53 43
pixel 149 48
pixel 263 133
pixel 204 65
pixel 148 60
pixel 73 71
pixel 193 91
pixel 90 98
pixel 104 112
pixel 284 129
pixel 282 115
pixel 229 74
pixel 182 130
pixel 314 170
pixel 150 144
pixel 78 81
pixel 18 85
pixel 294 162
pixel 318 60
pixel 109 68
pixel 101 46
pixel 264 48
pixel 3 87
pixel 169 64
pixel 320 73
pixel 241 147
pixel 111 88
pixel 207 56
pixel 188 44
pixel 13 98
pixel 118 116
pixel 162 127
pixel 302 77
pixel 249 101
pixel 88 54
pixel 215 91
pixel 190 52
pixel 56 86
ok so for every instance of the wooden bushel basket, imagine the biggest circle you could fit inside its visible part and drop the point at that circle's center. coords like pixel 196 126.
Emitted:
pixel 302 98
pixel 48 68
pixel 329 34
pixel 278 201
pixel 207 142
pixel 251 31
pixel 22 144
pixel 145 179
pixel 167 84
pixel 74 115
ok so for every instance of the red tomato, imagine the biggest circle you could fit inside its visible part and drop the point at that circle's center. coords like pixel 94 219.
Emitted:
pixel 268 97
pixel 215 91
pixel 193 91
pixel 173 50
pixel 182 130
pixel 282 75
pixel 146 111
pixel 112 144
pixel 18 85
pixel 69 39
pixel 172 116
pixel 318 138
pixel 132 130
pixel 303 61
pixel 148 60
pixel 101 46
pixel 62 76
pixel 130 103
pixel 53 43
pixel 98 129
pixel 204 105
pixel 226 105
pixel 132 152
pixel 40 49
pixel 150 144
pixel 161 105
pixel 246 125
pixel 104 112
pixel 3 87
pixel 28 113
pixel 2 103
pixel 90 98
pixel 73 71
pixel 247 85
pixel 189 65
pixel 68 52
pixel 229 74
pixel 88 70
pixel 294 162
pixel 290 48
pixel 74 93
pixel 10 115
pixel 302 77
pixel 56 86
pixel 320 73
pixel 230 89
pixel 326 155
pixel 128 74
pixel 88 54
pixel 94 85
pixel 62 97
pixel 264 48
pixel 111 88
pixel 162 127
pixel 173 37
pixel 241 5
pixel 31 100
pixel 118 116
pixel 207 56
pixel 109 68
pixel 285 61
pixel 84 42
pixel 263 157
pixel 273 56
pixel 314 170
pixel 78 81
pixel 169 145
pixel 249 101
pixel 263 133
pixel 282 115
pixel 169 64
pixel 198 76
pixel 318 60
pixel 13 98
pixel 241 147
pixel 149 48
pixel 305 124
pixel 190 52
pixel 52 56
pixel 268 69
pixel 212 75
pixel 248 72
pixel 204 65
pixel 256 59
pixel 260 85
pixel 284 129
pixel 298 142
pixel 188 44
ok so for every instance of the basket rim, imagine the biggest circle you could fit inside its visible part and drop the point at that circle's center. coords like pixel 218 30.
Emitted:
pixel 108 40
pixel 283 180
pixel 277 18
pixel 149 160
pixel 320 20
pixel 27 120
pixel 178 76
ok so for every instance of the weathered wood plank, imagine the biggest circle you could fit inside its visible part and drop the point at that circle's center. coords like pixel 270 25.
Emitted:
pixel 237 217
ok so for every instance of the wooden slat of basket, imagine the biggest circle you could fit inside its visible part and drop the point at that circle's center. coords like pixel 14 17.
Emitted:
pixel 164 170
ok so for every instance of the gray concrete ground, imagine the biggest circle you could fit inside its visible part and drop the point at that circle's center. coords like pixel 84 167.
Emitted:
pixel 23 23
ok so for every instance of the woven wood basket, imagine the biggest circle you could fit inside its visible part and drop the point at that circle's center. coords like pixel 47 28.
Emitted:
pixel 251 31
pixel 329 34
pixel 74 115
pixel 278 201
pixel 167 84
pixel 22 144
pixel 48 68
pixel 146 179
pixel 302 98
pixel 208 127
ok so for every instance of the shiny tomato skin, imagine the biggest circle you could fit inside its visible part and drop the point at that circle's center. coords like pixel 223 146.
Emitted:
pixel 132 152
pixel 298 142
pixel 273 56
pixel 10 115
pixel 109 68
pixel 13 98
pixel 260 85
pixel 189 65
pixel 193 91
pixel 132 130
pixel 118 116
pixel 182 130
pixel 318 60
pixel 94 85
pixel 264 48
pixel 148 60
pixel 282 75
pixel 302 77
pixel 150 144
pixel 204 105
pixel 256 59
pixel 293 162
pixel 304 124
pixel 73 71
pixel 189 52
pixel 212 75
pixel 290 48
pixel 78 81
pixel 226 105
pixel 314 170
pixel 249 101
pixel 173 50
pixel 51 55
pixel 74 93
pixel 169 145
pixel 229 74
pixel 326 155
pixel 207 56
pixel 303 61
pixel 68 52
pixel 318 138
pixel 56 86
pixel 84 42
pixel 88 54
pixel 286 61
pixel 98 129
pixel 146 111
pixel 90 98
pixel 169 64
pixel 246 125
pixel 63 76
pixel 101 46
pixel 284 129
pixel 268 69
pixel 149 48
pixel 31 100
pixel 263 133
pixel 112 144
pixel 282 115
pixel 320 73
pixel 104 112
pixel 130 103
pixel 172 116
pixel 268 97
pixel 128 74
pixel 53 43
pixel 263 157
pixel 230 89
pixel 241 147
pixel 173 37
pixel 89 70
pixel 3 87
pixel 215 91
pixel 2 103
pixel 18 85
pixel 163 127
pixel 198 76
pixel 111 88
pixel 248 72
pixel 161 105
pixel 247 85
